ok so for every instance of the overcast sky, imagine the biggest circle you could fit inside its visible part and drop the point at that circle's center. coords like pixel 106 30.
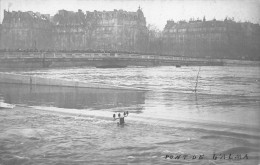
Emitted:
pixel 157 12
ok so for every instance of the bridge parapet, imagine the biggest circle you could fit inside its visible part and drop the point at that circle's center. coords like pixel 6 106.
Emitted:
pixel 56 56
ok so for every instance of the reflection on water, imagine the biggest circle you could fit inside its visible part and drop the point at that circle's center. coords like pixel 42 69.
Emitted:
pixel 74 98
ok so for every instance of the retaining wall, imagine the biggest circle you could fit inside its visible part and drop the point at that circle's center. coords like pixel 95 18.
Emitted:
pixel 35 80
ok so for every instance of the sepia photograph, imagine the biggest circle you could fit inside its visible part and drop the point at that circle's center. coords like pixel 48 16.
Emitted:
pixel 129 82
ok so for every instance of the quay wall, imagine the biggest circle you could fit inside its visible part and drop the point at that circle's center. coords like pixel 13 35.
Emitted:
pixel 241 63
pixel 35 80
pixel 52 60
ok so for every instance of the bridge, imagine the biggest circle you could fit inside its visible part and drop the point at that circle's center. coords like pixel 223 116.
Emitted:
pixel 56 59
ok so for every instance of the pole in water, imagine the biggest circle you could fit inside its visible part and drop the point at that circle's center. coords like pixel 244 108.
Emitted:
pixel 197 79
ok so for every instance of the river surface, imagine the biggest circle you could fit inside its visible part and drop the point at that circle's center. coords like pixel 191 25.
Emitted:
pixel 222 117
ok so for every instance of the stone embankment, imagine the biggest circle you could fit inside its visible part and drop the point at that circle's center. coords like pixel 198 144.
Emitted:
pixel 35 80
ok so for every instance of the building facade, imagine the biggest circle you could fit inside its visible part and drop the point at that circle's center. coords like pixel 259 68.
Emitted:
pixel 106 30
pixel 116 30
pixel 217 39
pixel 26 30
pixel 124 31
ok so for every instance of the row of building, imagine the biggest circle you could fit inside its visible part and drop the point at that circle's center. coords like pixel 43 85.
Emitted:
pixel 218 39
pixel 67 30
pixel 120 30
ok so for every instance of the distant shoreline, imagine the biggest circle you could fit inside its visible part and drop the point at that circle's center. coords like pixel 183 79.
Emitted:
pixel 60 59
pixel 228 62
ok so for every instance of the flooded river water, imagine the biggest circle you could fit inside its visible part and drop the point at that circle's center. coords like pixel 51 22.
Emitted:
pixel 218 124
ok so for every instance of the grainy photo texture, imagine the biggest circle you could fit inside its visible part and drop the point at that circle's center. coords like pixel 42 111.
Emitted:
pixel 129 82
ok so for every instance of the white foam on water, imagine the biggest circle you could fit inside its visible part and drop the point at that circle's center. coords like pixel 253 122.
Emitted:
pixel 106 117
pixel 6 105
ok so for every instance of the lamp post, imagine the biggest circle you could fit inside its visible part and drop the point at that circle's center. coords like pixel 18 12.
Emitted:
pixel 121 118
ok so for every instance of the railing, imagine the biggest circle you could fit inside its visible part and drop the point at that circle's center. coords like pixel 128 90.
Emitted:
pixel 101 56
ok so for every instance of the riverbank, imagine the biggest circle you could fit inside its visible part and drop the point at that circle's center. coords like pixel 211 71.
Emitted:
pixel 12 78
pixel 241 63
pixel 73 59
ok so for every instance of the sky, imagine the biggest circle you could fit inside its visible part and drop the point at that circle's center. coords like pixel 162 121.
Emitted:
pixel 157 12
